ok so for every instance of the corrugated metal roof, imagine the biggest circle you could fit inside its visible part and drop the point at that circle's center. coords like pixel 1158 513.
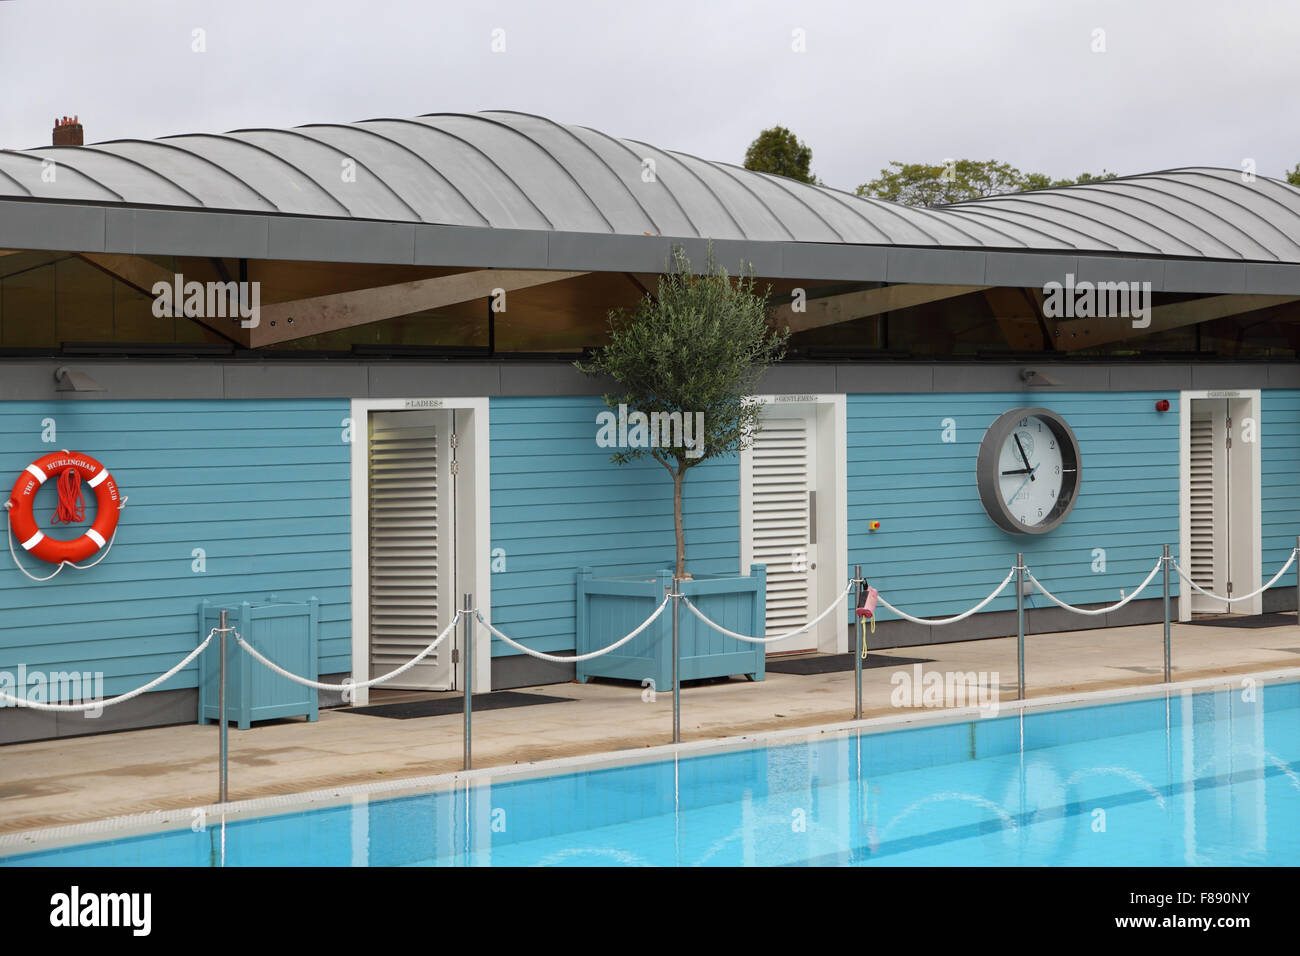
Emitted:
pixel 512 170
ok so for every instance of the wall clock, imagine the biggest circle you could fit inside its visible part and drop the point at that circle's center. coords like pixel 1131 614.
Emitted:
pixel 1028 470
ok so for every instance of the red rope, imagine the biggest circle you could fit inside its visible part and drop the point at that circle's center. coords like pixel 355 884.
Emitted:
pixel 71 508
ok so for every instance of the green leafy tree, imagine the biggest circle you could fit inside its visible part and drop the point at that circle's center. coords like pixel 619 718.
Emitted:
pixel 779 151
pixel 696 348
pixel 1088 178
pixel 1043 181
pixel 1293 177
pixel 926 184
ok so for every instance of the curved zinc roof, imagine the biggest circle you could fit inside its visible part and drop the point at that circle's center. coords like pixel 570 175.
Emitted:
pixel 513 170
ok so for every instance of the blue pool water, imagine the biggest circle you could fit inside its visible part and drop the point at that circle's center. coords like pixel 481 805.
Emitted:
pixel 1211 778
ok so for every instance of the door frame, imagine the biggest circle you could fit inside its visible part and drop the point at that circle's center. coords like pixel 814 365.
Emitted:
pixel 830 417
pixel 473 524
pixel 1245 498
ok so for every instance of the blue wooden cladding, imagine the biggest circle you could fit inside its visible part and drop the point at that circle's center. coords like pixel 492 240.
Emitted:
pixel 937 553
pixel 559 503
pixel 287 634
pixel 1280 484
pixel 260 489
pixel 232 500
pixel 609 608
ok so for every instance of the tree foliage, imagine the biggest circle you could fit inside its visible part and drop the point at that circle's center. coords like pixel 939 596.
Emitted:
pixel 779 151
pixel 1293 176
pixel 927 184
pixel 698 346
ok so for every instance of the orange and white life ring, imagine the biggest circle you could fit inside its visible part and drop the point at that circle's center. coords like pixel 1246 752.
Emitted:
pixel 22 521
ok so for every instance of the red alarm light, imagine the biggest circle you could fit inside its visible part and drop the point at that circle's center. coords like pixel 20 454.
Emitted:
pixel 1162 405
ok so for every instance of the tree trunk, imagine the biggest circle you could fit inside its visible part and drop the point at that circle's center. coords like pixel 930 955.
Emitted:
pixel 678 477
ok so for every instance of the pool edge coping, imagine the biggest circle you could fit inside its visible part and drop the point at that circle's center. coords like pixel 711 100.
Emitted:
pixel 216 814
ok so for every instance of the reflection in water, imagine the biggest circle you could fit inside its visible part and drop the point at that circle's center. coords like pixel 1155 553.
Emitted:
pixel 983 803
pixel 1184 780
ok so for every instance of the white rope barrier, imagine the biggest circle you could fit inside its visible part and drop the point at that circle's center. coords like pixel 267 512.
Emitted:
pixel 348 685
pixel 779 637
pixel 8 505
pixel 1232 600
pixel 938 621
pixel 1100 610
pixel 122 698
pixel 580 657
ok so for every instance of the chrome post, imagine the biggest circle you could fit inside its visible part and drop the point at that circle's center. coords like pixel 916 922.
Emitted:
pixel 677 684
pixel 468 651
pixel 857 654
pixel 223 795
pixel 1168 649
pixel 1020 624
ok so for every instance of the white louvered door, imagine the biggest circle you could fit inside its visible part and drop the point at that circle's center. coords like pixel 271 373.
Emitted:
pixel 411 591
pixel 1209 504
pixel 782 486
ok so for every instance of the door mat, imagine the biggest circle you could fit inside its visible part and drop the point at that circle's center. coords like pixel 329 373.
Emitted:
pixel 1272 619
pixel 438 706
pixel 834 663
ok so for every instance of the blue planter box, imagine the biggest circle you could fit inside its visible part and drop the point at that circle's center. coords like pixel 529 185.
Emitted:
pixel 609 608
pixel 287 634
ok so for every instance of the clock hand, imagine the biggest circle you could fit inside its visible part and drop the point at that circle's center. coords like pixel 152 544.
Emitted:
pixel 1022 471
pixel 1016 436
pixel 1022 484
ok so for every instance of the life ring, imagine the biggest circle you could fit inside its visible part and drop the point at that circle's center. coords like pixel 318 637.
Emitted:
pixel 22 521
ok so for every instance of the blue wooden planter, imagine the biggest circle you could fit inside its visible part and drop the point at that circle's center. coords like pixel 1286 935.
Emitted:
pixel 287 634
pixel 609 608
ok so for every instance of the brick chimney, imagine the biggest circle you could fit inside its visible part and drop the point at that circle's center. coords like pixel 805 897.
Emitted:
pixel 68 132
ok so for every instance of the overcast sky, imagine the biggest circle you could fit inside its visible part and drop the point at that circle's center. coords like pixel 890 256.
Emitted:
pixel 1180 82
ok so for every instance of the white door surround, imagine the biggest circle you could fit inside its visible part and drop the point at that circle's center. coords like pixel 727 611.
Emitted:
pixel 1228 497
pixel 471 569
pixel 827 418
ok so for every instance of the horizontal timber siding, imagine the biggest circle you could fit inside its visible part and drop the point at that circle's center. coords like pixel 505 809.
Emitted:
pixel 261 486
pixel 937 552
pixel 1280 486
pixel 559 504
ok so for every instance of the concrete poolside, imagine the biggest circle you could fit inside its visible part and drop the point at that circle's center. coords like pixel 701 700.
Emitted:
pixel 58 782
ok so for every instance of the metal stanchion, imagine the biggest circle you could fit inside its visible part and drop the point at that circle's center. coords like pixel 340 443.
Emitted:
pixel 468 651
pixel 223 795
pixel 1020 625
pixel 1167 648
pixel 857 654
pixel 677 684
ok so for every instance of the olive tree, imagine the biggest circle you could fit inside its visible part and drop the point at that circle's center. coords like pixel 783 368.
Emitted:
pixel 687 361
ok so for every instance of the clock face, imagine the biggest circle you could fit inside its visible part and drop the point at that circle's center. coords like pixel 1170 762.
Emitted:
pixel 1028 470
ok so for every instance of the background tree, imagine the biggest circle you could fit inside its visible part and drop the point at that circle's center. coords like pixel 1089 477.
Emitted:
pixel 1087 178
pixel 699 345
pixel 1043 181
pixel 1293 177
pixel 926 184
pixel 777 150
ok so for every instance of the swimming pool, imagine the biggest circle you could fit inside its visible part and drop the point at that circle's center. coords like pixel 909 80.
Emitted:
pixel 1195 777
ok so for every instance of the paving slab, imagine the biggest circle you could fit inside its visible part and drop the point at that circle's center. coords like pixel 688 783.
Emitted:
pixel 58 782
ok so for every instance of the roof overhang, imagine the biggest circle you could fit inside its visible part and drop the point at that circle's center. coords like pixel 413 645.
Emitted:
pixel 115 228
